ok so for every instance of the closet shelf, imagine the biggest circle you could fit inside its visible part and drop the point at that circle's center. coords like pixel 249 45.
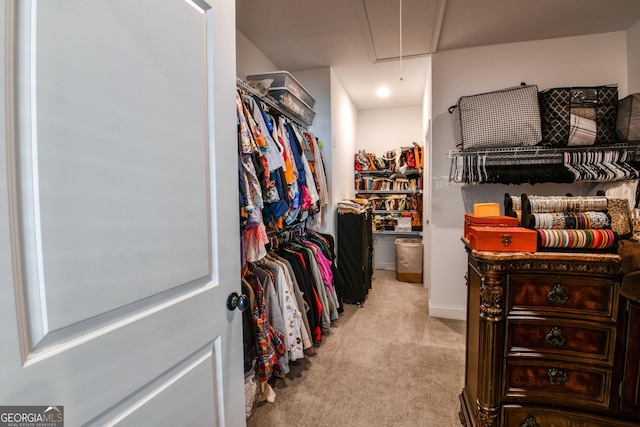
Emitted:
pixel 398 233
pixel 388 171
pixel 394 197
pixel 388 191
pixel 384 211
pixel 603 163
pixel 241 84
pixel 541 150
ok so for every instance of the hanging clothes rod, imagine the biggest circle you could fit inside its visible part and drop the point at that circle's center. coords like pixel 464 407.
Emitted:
pixel 540 150
pixel 241 84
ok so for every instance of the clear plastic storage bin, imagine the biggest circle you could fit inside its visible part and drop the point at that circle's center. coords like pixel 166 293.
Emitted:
pixel 284 80
pixel 293 104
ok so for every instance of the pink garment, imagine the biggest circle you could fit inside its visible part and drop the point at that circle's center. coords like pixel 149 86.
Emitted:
pixel 306 197
pixel 255 238
pixel 323 264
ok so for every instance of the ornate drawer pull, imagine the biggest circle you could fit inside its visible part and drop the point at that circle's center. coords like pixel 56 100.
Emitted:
pixel 505 239
pixel 558 295
pixel 554 337
pixel 557 376
pixel 530 422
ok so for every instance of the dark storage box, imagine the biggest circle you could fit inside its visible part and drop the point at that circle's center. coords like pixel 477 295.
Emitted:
pixel 557 105
pixel 628 121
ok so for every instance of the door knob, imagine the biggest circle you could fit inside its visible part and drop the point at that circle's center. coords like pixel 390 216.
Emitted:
pixel 241 302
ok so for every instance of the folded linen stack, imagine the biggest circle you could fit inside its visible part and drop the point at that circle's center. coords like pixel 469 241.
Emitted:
pixel 354 206
pixel 582 131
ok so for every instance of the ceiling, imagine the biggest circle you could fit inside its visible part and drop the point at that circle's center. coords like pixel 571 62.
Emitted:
pixel 361 39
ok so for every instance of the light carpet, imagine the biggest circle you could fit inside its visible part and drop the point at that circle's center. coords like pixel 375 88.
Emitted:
pixel 385 364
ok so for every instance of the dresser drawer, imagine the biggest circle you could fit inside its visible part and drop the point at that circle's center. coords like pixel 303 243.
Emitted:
pixel 535 416
pixel 562 295
pixel 565 338
pixel 562 383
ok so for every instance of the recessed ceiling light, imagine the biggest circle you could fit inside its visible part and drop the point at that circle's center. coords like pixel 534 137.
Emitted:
pixel 383 92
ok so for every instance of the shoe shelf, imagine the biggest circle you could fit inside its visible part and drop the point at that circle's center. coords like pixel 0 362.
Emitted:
pixel 391 212
pixel 398 233
pixel 395 197
pixel 388 172
pixel 417 191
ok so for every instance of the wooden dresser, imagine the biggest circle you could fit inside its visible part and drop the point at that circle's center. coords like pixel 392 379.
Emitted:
pixel 546 342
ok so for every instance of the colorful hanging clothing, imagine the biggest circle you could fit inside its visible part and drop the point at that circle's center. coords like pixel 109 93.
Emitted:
pixel 269 342
pixel 271 149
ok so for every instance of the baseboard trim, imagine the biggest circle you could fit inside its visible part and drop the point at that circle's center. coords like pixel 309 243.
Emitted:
pixel 447 312
pixel 385 265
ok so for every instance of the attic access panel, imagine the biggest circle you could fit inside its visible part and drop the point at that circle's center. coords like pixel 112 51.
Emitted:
pixel 383 22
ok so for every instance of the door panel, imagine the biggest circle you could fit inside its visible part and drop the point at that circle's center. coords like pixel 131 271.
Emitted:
pixel 149 403
pixel 143 179
pixel 112 300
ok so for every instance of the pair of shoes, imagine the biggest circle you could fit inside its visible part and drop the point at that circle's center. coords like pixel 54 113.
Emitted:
pixel 266 393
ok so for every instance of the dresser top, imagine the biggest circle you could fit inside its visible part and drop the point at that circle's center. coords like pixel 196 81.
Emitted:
pixel 541 256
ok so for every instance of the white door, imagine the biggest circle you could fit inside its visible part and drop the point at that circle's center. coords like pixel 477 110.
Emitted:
pixel 118 211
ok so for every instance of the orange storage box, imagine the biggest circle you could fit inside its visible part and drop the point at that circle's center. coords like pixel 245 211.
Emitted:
pixel 503 239
pixel 496 221
pixel 486 209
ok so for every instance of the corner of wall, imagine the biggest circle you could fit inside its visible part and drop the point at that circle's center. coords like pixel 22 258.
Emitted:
pixel 426 198
pixel 344 116
pixel 250 59
pixel 633 58
pixel 447 312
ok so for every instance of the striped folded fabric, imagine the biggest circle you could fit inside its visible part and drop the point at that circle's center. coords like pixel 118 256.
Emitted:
pixel 576 239
pixel 581 131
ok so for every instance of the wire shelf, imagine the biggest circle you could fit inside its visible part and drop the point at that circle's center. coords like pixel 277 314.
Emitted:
pixel 270 102
pixel 464 160
pixel 540 150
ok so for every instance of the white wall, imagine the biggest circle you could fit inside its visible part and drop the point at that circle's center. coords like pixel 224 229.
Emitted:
pixel 250 59
pixel 633 57
pixel 344 117
pixel 389 128
pixel 574 61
